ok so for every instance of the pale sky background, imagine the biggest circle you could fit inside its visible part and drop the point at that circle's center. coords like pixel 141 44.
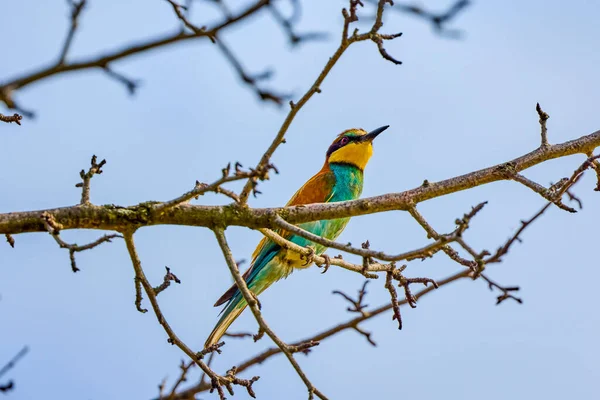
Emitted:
pixel 454 106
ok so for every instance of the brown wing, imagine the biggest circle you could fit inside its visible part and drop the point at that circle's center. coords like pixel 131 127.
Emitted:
pixel 317 189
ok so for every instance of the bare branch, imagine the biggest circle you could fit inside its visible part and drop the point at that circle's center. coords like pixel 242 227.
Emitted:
pixel 103 61
pixel 544 131
pixel 54 228
pixel 394 298
pixel 287 26
pixel 357 305
pixel 506 291
pixel 253 305
pixel 352 324
pixel 6 387
pixel 542 191
pixel 218 381
pixel 252 80
pixel 426 251
pixel 96 168
pixel 13 361
pixel 438 20
pixel 179 11
pixel 117 218
pixel 315 88
pixel 76 9
pixel 169 276
pixel 16 118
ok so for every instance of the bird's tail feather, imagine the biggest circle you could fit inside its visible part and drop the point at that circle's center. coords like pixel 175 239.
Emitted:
pixel 231 312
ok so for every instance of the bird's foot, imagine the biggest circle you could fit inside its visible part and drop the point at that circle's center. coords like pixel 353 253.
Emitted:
pixel 310 257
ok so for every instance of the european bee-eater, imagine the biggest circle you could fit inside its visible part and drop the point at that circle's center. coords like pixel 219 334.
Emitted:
pixel 340 179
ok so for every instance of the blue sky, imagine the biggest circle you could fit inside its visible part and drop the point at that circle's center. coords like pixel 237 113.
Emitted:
pixel 454 106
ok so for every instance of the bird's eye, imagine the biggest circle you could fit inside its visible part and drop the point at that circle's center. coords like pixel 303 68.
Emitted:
pixel 344 140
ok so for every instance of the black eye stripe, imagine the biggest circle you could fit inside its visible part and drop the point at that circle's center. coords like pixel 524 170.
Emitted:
pixel 338 144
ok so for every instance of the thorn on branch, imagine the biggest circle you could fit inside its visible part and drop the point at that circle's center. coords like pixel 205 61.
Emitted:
pixel 169 276
pixel 96 168
pixel 16 118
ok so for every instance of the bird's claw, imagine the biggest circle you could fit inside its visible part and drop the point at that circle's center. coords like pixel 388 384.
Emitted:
pixel 327 263
pixel 309 257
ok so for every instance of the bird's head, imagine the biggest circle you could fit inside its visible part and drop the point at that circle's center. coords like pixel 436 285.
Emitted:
pixel 354 146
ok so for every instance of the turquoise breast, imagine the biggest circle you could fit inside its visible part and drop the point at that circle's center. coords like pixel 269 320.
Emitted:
pixel 348 186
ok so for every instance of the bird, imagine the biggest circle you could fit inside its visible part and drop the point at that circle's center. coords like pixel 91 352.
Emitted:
pixel 340 179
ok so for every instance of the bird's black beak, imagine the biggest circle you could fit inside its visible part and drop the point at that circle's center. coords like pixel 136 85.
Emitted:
pixel 373 134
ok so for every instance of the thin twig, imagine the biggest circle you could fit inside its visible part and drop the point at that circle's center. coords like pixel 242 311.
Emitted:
pixel 544 131
pixel 16 118
pixel 252 80
pixel 253 305
pixel 76 9
pixel 315 88
pixel 542 191
pixel 173 338
pixel 13 361
pixel 53 228
pixel 426 251
pixel 8 87
pixel 351 324
pixel 112 217
pixel 287 26
pixel 95 168
pixel 169 276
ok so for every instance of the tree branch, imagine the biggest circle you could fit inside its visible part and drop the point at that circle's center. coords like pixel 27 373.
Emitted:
pixel 111 217
pixel 253 305
pixel 351 324
pixel 217 381
pixel 103 61
pixel 16 118
pixel 315 88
